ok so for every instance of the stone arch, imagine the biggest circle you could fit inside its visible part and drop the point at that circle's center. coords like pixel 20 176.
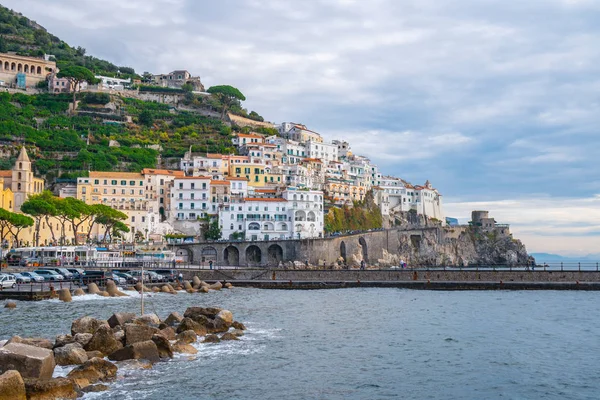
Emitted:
pixel 268 226
pixel 6 65
pixel 365 251
pixel 26 69
pixel 208 253
pixel 13 66
pixel 254 226
pixel 300 215
pixel 311 216
pixel 275 253
pixel 253 256
pixel 32 69
pixel 283 226
pixel 186 254
pixel 231 256
pixel 19 67
pixel 39 70
pixel 343 251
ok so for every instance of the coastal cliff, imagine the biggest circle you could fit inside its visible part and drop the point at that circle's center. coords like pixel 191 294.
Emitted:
pixel 458 246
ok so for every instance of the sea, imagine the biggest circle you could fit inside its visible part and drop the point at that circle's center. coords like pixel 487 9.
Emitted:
pixel 359 344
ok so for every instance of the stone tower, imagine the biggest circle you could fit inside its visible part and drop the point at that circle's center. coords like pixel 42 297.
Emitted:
pixel 22 179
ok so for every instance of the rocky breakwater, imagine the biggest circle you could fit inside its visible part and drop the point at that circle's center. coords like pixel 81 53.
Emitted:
pixel 96 349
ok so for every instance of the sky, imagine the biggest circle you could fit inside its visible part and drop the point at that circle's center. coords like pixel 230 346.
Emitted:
pixel 496 102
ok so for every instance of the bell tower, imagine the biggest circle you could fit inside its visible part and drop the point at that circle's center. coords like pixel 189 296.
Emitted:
pixel 22 179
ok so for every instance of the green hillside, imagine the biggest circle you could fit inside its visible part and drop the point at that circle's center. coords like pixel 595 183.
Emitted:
pixel 107 132
pixel 25 37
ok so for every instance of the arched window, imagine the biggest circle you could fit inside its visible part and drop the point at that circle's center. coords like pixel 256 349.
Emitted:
pixel 254 226
pixel 39 70
pixel 18 186
pixel 20 165
pixel 13 66
pixel 26 69
pixel 20 68
pixel 19 176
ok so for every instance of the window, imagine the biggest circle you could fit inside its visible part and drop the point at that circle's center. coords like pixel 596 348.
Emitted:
pixel 143 219
pixel 83 190
pixel 192 185
pixel 105 191
pixel 204 185
pixel 192 205
pixel 180 195
pixel 123 183
pixel 131 183
pixel 180 206
pixel 122 191
pixel 132 219
pixel 114 191
pixel 191 195
pixel 113 182
pixel 180 185
pixel 141 192
pixel 132 192
pixel 96 181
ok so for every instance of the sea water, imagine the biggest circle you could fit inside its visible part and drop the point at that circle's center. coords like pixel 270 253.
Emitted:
pixel 360 344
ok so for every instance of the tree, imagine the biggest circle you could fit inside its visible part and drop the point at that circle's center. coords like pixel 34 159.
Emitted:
pixel 38 206
pixel 214 231
pixel 227 96
pixel 19 222
pixel 76 75
pixel 111 219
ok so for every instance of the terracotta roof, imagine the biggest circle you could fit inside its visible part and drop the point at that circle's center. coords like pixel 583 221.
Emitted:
pixel 219 156
pixel 6 173
pixel 266 190
pixel 313 160
pixel 235 178
pixel 215 182
pixel 108 174
pixel 251 135
pixel 149 171
pixel 265 199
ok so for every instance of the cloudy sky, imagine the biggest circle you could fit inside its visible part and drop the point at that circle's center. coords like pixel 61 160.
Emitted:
pixel 496 102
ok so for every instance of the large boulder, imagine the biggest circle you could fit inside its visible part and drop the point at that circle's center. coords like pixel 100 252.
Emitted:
pixel 113 290
pixel 10 304
pixel 99 387
pixel 238 325
pixel 173 319
pixel 65 295
pixel 70 354
pixel 155 289
pixel 48 389
pixel 226 317
pixel 120 319
pixel 229 336
pixel 12 386
pixel 180 347
pixel 138 333
pixel 94 354
pixel 163 345
pixel 148 319
pixel 168 333
pixel 194 312
pixel 94 370
pixel 30 361
pixel 83 338
pixel 204 289
pixel 37 342
pixel 78 292
pixel 237 332
pixel 211 339
pixel 188 324
pixel 188 287
pixel 104 340
pixel 138 351
pixel 216 286
pixel 187 337
pixel 86 325
pixel 62 340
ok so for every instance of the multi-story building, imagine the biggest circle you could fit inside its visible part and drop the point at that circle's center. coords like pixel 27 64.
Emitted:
pixel 190 198
pixel 299 133
pixel 22 71
pixel 322 151
pixel 21 180
pixel 177 79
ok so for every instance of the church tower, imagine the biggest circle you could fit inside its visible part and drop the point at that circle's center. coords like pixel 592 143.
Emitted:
pixel 22 179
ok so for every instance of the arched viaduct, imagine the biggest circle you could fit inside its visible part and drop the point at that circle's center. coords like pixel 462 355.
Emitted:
pixel 368 246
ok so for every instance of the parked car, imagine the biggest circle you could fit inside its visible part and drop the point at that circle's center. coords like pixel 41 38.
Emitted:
pixel 138 274
pixel 130 279
pixel 33 276
pixel 49 275
pixel 77 273
pixel 62 271
pixel 96 276
pixel 118 280
pixel 20 278
pixel 7 281
pixel 154 277
pixel 169 274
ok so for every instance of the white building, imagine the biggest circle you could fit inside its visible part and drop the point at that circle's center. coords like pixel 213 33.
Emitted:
pixel 294 214
pixel 322 151
pixel 190 201
pixel 108 82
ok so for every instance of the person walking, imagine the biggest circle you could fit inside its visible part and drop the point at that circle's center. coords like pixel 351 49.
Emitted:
pixel 363 264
